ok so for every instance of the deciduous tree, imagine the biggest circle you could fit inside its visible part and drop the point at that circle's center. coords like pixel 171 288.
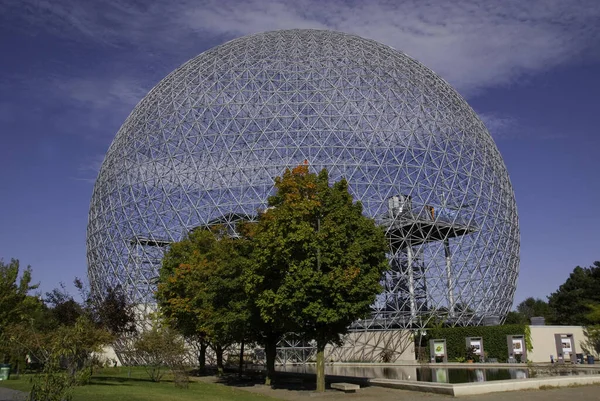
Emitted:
pixel 159 347
pixel 532 307
pixel 16 306
pixel 317 261
pixel 113 312
pixel 514 317
pixel 63 309
pixel 591 345
pixel 62 332
pixel 14 288
pixel 200 288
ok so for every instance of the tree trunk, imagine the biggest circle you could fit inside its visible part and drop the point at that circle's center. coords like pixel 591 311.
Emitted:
pixel 202 357
pixel 320 366
pixel 241 371
pixel 270 353
pixel 219 352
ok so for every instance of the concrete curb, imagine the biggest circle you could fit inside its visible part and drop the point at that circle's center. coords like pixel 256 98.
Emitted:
pixel 463 389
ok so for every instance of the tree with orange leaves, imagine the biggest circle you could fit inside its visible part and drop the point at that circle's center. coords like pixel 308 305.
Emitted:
pixel 317 262
pixel 200 291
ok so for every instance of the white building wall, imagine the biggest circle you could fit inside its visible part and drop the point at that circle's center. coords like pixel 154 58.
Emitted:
pixel 374 346
pixel 544 345
pixel 108 356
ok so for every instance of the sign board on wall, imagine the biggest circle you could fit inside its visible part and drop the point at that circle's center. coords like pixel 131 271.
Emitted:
pixel 476 344
pixel 517 346
pixel 566 344
pixel 439 349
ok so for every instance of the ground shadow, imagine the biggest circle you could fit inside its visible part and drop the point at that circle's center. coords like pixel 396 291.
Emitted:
pixel 290 382
pixel 119 380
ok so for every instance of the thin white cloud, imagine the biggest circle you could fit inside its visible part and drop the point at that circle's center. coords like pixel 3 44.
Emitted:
pixel 472 44
pixel 501 127
pixel 102 93
pixel 89 168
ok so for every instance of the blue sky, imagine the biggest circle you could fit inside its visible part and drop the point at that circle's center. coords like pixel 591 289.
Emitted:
pixel 71 71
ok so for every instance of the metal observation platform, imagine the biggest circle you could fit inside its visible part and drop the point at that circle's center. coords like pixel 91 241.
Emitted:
pixel 404 302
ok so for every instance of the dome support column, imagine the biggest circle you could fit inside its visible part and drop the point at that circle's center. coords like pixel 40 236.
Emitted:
pixel 448 256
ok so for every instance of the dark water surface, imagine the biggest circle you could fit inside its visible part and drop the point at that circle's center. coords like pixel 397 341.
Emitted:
pixel 438 375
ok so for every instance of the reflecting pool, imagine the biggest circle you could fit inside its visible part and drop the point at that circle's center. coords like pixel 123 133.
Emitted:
pixel 438 375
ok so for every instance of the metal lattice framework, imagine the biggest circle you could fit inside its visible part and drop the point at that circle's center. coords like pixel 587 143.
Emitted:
pixel 205 144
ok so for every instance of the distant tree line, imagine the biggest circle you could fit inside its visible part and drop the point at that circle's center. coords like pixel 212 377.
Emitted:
pixel 572 304
pixel 310 264
pixel 576 302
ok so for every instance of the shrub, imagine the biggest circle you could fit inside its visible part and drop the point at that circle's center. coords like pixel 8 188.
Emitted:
pixel 51 384
pixel 494 339
pixel 159 347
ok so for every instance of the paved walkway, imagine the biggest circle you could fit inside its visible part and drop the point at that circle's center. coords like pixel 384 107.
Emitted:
pixel 584 393
pixel 7 394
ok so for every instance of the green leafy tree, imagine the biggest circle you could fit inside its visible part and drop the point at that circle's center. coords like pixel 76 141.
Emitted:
pixel 593 315
pixel 62 332
pixel 569 304
pixel 62 308
pixel 201 291
pixel 591 345
pixel 63 352
pixel 533 307
pixel 112 311
pixel 74 344
pixel 514 317
pixel 318 261
pixel 16 306
pixel 52 384
pixel 160 347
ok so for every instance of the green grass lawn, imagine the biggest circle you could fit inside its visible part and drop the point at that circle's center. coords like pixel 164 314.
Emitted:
pixel 114 385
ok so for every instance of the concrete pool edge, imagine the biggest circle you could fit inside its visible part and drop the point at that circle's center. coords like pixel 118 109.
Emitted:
pixel 463 389
pixel 453 365
pixel 462 365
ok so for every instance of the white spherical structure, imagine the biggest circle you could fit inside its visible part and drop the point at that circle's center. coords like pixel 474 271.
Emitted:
pixel 205 144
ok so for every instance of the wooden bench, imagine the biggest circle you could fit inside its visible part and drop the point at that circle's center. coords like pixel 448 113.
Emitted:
pixel 346 387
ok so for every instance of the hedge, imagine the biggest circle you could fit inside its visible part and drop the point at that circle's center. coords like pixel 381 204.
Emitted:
pixel 494 339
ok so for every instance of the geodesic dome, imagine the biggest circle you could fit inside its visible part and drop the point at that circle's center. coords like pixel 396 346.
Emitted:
pixel 204 146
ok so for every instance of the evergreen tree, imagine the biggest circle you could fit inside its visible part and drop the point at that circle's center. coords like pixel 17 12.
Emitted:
pixel 570 303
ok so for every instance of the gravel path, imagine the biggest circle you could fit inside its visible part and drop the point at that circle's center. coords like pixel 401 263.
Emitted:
pixel 7 394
